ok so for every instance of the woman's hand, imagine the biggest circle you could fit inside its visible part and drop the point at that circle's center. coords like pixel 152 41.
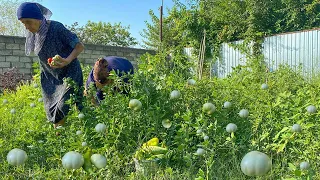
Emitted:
pixel 99 85
pixel 60 62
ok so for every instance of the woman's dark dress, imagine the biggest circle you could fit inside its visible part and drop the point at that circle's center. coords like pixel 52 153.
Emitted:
pixel 61 41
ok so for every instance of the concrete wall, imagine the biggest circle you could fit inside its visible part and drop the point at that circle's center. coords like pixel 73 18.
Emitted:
pixel 12 54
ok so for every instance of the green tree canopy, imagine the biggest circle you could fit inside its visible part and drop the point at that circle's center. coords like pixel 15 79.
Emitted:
pixel 9 24
pixel 104 33
pixel 230 20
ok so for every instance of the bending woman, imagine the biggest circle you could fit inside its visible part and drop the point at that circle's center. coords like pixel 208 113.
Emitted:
pixel 100 73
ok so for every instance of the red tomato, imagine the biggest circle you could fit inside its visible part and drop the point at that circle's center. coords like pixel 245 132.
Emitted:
pixel 50 60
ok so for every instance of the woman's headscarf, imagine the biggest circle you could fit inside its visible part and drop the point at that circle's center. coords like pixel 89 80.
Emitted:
pixel 34 41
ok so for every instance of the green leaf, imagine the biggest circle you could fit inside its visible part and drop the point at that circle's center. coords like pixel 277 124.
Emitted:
pixel 232 135
pixel 199 178
pixel 292 167
pixel 169 170
pixel 282 146
pixel 283 130
pixel 200 173
pixel 265 135
pixel 297 173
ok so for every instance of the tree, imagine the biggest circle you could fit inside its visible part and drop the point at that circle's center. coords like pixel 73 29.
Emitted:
pixel 232 20
pixel 298 15
pixel 9 24
pixel 151 34
pixel 225 21
pixel 104 34
pixel 172 28
pixel 174 39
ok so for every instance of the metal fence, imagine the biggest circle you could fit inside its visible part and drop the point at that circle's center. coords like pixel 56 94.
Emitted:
pixel 293 49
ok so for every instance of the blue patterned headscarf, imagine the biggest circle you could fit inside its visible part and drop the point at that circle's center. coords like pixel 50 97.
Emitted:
pixel 34 41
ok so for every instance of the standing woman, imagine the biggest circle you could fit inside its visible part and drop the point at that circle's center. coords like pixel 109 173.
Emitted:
pixel 46 39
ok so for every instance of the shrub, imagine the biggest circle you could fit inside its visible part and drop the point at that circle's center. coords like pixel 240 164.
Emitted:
pixel 10 79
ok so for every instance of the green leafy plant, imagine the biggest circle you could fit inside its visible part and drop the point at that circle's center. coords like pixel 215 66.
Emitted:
pixel 193 143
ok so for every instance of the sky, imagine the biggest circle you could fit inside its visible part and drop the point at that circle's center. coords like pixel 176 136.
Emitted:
pixel 131 13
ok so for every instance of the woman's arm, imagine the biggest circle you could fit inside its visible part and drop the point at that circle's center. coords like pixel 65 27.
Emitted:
pixel 74 54
pixel 76 51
